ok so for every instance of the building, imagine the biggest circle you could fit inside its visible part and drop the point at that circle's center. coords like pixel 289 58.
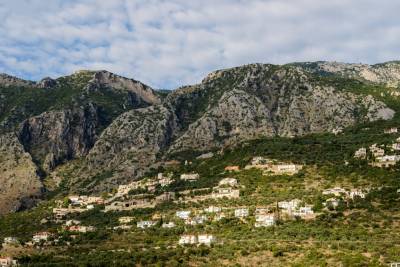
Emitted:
pixel 165 181
pixel 205 239
pixel 146 224
pixel 283 169
pixel 41 236
pixel 188 240
pixel 122 227
pixel 289 205
pixel 386 161
pixel 196 220
pixel 228 181
pixel 190 177
pixel 72 222
pixel 8 262
pixel 396 146
pixel 356 193
pixel 81 229
pixel 166 196
pixel 183 214
pixel 241 213
pixel 378 152
pixel 304 211
pixel 10 241
pixel 212 209
pixel 225 192
pixel 361 153
pixel 168 225
pixel 390 130
pixel 264 220
pixel 125 219
pixel 232 168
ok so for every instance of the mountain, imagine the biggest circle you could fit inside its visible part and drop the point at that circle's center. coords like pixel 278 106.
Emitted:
pixel 93 130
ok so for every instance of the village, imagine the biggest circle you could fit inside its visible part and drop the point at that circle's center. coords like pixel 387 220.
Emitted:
pixel 377 153
pixel 141 195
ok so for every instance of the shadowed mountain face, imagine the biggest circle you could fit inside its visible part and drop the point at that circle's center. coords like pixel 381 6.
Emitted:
pixel 118 128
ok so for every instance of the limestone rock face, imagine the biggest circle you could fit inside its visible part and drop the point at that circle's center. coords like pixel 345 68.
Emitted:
pixel 8 80
pixel 131 143
pixel 141 91
pixel 56 136
pixel 386 73
pixel 20 184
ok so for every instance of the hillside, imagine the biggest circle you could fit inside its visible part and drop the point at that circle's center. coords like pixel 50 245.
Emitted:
pixel 94 130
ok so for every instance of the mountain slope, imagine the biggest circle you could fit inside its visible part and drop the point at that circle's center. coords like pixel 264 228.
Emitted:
pixel 228 107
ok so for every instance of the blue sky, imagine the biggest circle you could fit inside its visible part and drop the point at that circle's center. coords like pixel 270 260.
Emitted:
pixel 167 44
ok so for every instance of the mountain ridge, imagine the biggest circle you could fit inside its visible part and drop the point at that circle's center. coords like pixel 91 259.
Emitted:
pixel 119 128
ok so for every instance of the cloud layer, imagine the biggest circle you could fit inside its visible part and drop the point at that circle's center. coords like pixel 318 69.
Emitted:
pixel 171 43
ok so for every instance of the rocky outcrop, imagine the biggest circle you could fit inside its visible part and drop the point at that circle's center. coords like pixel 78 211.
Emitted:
pixel 129 146
pixel 8 80
pixel 141 91
pixel 284 104
pixel 56 136
pixel 386 73
pixel 20 184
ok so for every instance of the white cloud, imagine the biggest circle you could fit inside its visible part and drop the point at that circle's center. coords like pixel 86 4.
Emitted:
pixel 172 43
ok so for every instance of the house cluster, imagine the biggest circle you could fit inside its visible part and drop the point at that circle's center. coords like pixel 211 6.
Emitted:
pixel 339 194
pixel 378 153
pixel 273 167
pixel 227 187
pixel 77 204
pixel 201 239
pixel 139 201
pixel 293 208
pixel 147 184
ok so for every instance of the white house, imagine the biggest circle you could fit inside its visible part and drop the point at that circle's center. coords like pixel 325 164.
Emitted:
pixel 190 176
pixel 168 225
pixel 289 205
pixel 212 209
pixel 304 211
pixel 146 224
pixel 396 146
pixel 241 213
pixel 228 181
pixel 196 220
pixel 188 240
pixel 183 214
pixel 11 240
pixel 41 236
pixel 226 192
pixel 81 228
pixel 390 130
pixel 72 222
pixel 361 153
pixel 205 239
pixel 356 193
pixel 264 220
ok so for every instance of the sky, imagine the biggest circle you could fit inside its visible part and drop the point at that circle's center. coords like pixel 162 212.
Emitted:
pixel 167 44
